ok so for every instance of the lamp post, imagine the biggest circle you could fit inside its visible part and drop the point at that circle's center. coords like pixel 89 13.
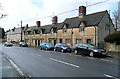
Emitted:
pixel 21 31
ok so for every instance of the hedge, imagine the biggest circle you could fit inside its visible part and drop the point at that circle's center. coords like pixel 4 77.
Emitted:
pixel 113 37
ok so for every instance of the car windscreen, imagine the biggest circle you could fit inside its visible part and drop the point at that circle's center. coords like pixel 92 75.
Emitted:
pixel 91 46
pixel 23 43
pixel 48 44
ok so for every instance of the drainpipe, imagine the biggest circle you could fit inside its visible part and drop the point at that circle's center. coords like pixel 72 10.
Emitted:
pixel 72 37
pixel 95 35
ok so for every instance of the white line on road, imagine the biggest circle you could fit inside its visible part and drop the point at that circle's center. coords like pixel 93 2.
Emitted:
pixel 110 76
pixel 65 62
pixel 15 66
pixel 37 54
pixel 106 60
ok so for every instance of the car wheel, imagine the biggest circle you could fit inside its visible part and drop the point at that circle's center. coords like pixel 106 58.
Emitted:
pixel 62 50
pixel 46 48
pixel 91 54
pixel 76 52
pixel 54 49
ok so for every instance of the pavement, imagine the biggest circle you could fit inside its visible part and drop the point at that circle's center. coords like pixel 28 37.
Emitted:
pixel 6 69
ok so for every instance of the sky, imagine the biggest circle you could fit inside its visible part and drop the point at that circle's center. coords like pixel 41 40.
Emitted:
pixel 30 11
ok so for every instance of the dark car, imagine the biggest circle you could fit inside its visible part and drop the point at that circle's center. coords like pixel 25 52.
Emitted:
pixel 46 46
pixel 61 47
pixel 23 44
pixel 8 44
pixel 90 50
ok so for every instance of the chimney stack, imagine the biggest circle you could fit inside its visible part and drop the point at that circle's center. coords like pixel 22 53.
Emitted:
pixel 26 25
pixel 38 23
pixel 54 20
pixel 82 10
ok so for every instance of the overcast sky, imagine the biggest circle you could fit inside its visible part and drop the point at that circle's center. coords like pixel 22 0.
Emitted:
pixel 29 11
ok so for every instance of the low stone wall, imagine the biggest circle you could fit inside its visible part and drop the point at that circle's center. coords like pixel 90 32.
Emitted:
pixel 112 47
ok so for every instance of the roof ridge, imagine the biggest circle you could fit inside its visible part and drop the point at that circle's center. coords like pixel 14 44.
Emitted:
pixel 88 14
pixel 96 12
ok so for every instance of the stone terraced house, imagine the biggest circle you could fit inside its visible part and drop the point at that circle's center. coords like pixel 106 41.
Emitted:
pixel 90 28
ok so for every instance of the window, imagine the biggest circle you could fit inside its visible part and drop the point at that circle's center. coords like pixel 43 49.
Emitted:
pixel 60 40
pixel 65 29
pixel 81 29
pixel 41 32
pixel 50 41
pixel 37 31
pixel 52 31
pixel 34 32
pixel 78 41
pixel 32 41
pixel 67 41
pixel 88 41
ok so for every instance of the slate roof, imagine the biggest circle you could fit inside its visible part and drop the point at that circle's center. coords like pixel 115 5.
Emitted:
pixel 15 31
pixel 89 20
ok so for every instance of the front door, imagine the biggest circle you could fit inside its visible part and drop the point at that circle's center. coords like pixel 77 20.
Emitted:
pixel 38 42
pixel 54 42
pixel 35 42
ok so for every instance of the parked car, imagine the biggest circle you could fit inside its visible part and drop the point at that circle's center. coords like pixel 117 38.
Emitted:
pixel 46 46
pixel 23 44
pixel 90 50
pixel 8 44
pixel 61 47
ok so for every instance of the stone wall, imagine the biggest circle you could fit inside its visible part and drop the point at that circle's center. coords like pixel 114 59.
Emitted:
pixel 112 47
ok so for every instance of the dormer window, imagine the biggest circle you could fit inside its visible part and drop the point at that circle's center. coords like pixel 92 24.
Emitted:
pixel 41 32
pixel 65 29
pixel 82 27
pixel 34 32
pixel 52 31
pixel 37 32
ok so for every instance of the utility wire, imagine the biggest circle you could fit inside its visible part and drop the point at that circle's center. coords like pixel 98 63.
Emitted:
pixel 68 11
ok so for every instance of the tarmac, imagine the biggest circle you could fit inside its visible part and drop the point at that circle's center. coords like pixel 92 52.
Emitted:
pixel 6 69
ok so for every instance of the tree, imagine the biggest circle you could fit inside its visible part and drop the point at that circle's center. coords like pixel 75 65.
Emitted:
pixel 116 19
pixel 2 15
pixel 113 38
pixel 2 33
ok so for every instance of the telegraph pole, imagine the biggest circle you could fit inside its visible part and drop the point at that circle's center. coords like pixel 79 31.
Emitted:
pixel 21 31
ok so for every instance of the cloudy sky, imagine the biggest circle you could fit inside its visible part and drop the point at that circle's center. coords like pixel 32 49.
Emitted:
pixel 29 11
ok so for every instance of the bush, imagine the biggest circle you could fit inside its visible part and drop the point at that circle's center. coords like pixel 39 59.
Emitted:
pixel 113 37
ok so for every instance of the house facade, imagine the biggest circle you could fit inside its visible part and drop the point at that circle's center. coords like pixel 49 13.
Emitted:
pixel 90 28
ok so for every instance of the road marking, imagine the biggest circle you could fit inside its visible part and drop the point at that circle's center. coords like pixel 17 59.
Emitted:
pixel 37 54
pixel 15 66
pixel 106 60
pixel 90 57
pixel 63 62
pixel 110 76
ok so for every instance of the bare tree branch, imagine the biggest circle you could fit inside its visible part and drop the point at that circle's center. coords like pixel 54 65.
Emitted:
pixel 116 19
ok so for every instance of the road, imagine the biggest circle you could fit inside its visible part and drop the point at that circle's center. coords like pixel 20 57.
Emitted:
pixel 41 63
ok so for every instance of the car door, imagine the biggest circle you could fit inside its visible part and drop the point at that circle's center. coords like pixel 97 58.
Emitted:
pixel 85 49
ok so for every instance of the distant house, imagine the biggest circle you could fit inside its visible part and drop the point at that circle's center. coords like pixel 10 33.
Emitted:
pixel 14 35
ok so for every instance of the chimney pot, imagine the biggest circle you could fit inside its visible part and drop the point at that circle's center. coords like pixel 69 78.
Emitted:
pixel 38 23
pixel 82 10
pixel 54 20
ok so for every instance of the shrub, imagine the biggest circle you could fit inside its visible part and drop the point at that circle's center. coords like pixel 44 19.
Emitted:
pixel 113 37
